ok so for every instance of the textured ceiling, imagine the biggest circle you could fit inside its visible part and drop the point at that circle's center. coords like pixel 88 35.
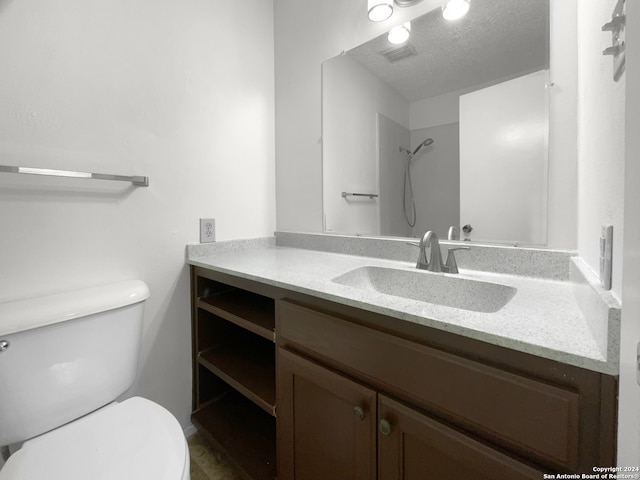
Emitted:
pixel 496 39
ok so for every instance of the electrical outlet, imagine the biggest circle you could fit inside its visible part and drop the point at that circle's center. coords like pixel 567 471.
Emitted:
pixel 207 230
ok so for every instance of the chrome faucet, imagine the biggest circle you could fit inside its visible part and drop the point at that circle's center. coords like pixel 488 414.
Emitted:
pixel 434 262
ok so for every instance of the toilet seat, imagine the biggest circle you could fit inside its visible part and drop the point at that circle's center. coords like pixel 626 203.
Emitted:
pixel 136 439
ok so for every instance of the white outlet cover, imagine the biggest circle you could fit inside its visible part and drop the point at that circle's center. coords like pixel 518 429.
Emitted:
pixel 207 230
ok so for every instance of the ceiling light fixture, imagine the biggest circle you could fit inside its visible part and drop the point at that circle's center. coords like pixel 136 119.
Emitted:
pixel 455 9
pixel 406 3
pixel 379 10
pixel 400 34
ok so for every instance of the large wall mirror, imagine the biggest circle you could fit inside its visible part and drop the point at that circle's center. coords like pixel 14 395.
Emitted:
pixel 447 129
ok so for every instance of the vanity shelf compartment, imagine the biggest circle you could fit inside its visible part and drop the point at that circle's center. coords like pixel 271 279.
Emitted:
pixel 234 381
pixel 248 310
pixel 242 431
pixel 247 363
pixel 214 331
pixel 210 387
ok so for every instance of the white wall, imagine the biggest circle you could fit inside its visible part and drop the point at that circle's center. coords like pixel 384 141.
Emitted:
pixel 601 138
pixel 181 92
pixel 352 98
pixel 629 406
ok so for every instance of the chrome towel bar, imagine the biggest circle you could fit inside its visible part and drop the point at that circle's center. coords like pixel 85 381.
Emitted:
pixel 370 195
pixel 136 180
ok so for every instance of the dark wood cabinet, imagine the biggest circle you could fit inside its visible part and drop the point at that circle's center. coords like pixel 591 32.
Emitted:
pixel 363 396
pixel 327 423
pixel 446 415
pixel 413 446
pixel 332 427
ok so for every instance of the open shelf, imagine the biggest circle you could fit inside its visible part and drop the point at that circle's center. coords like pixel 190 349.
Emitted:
pixel 246 309
pixel 234 379
pixel 242 431
pixel 248 365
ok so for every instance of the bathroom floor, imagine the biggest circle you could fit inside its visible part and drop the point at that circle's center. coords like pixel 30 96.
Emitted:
pixel 207 463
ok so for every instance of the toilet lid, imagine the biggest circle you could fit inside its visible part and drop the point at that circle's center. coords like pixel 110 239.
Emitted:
pixel 132 440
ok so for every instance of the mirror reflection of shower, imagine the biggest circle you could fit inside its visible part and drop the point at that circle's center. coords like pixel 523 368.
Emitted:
pixel 409 207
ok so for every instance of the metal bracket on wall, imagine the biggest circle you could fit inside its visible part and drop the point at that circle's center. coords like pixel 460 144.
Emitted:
pixel 135 180
pixel 617 49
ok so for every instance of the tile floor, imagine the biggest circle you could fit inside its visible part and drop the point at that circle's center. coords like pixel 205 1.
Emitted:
pixel 207 463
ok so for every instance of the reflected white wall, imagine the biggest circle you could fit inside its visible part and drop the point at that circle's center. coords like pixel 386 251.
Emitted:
pixel 392 167
pixel 309 33
pixel 436 176
pixel 503 161
pixel 352 99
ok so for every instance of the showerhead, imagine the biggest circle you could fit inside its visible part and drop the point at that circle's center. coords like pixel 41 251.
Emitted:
pixel 411 154
pixel 426 143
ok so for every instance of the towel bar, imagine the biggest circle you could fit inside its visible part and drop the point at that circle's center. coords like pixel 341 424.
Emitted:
pixel 136 180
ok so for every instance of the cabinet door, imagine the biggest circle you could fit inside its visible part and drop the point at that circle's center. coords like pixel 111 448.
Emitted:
pixel 326 423
pixel 412 446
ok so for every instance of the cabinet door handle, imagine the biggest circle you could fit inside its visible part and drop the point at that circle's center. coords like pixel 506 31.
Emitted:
pixel 358 412
pixel 385 427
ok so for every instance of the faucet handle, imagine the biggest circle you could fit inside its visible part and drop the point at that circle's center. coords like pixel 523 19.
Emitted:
pixel 451 264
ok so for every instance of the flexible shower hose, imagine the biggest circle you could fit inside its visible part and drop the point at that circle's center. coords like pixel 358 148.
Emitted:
pixel 407 179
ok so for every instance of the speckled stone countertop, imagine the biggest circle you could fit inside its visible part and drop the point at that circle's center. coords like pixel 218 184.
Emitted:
pixel 543 318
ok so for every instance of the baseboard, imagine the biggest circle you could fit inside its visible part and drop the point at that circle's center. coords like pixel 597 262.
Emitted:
pixel 190 431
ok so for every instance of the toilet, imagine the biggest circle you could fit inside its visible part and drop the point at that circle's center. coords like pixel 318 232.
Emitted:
pixel 64 360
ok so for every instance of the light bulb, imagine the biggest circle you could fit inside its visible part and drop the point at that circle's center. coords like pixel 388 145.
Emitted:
pixel 379 10
pixel 400 34
pixel 455 9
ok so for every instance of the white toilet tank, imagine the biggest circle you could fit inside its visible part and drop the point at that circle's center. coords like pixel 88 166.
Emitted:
pixel 65 355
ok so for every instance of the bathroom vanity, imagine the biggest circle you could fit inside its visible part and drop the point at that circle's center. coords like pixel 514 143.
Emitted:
pixel 297 374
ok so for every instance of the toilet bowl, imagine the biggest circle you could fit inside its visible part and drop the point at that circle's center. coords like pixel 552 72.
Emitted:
pixel 64 359
pixel 135 439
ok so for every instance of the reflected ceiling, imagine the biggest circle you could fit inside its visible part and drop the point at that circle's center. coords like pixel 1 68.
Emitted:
pixel 487 44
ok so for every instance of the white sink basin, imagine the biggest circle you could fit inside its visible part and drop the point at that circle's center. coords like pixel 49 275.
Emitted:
pixel 441 289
